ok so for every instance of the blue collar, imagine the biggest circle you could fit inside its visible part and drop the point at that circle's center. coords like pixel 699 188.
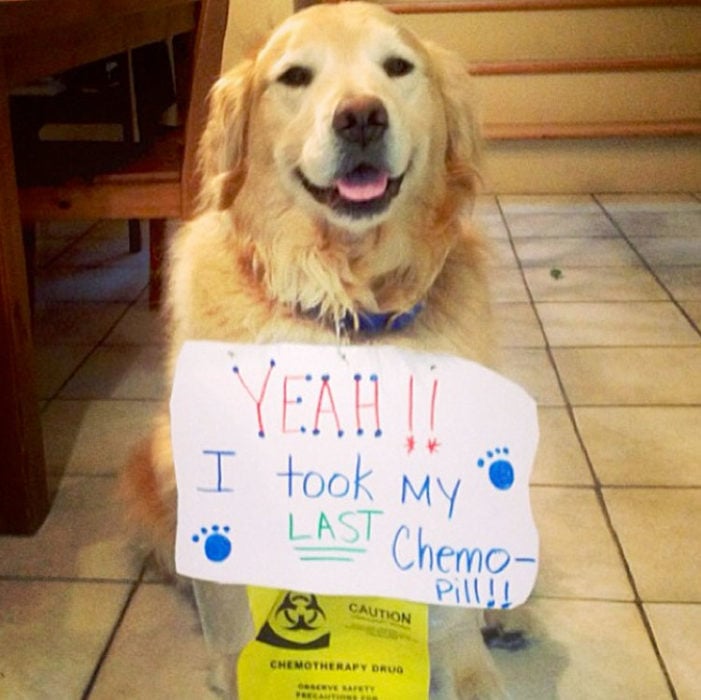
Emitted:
pixel 371 323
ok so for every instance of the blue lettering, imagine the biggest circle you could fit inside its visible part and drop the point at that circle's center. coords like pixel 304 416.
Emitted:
pixel 444 558
pixel 500 565
pixel 219 488
pixel 338 485
pixel 450 496
pixel 306 489
pixel 406 533
pixel 425 489
pixel 358 478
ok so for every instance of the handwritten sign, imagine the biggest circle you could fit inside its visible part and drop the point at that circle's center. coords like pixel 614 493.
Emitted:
pixel 358 470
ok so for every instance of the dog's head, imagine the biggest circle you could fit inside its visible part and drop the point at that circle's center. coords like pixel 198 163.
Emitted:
pixel 350 111
pixel 347 124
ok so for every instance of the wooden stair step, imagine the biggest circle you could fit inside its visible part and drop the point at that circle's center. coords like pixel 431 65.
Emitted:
pixel 592 130
pixel 461 6
pixel 588 65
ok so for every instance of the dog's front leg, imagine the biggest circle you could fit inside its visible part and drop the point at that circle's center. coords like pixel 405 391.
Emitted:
pixel 227 626
pixel 461 666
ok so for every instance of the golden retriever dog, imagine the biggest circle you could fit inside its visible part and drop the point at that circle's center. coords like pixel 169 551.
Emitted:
pixel 338 168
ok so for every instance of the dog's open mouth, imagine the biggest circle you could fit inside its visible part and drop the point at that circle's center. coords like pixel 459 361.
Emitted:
pixel 363 191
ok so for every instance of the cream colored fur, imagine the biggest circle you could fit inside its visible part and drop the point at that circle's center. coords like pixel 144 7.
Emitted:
pixel 263 261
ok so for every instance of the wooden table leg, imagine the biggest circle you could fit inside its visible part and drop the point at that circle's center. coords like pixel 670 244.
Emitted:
pixel 24 500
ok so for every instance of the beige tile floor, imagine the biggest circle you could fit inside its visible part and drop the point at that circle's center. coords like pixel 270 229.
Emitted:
pixel 612 352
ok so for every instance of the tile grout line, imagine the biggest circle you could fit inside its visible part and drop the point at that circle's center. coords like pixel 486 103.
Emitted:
pixel 624 601
pixel 135 584
pixel 37 578
pixel 646 264
pixel 130 304
pixel 619 487
pixel 548 349
pixel 637 601
pixel 70 244
pixel 95 347
pixel 113 634
pixel 73 244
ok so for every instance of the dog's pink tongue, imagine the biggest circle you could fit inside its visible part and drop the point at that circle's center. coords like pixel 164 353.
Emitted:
pixel 363 190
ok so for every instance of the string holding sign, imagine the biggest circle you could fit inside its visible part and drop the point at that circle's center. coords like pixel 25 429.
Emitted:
pixel 380 471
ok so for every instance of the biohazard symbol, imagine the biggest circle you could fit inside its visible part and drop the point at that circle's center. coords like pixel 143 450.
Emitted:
pixel 296 622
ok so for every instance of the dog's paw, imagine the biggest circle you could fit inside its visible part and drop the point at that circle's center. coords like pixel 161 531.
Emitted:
pixel 461 666
pixel 221 678
pixel 496 637
pixel 483 684
pixel 442 686
pixel 511 630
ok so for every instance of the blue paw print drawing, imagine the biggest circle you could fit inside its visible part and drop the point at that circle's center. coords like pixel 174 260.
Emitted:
pixel 217 545
pixel 501 471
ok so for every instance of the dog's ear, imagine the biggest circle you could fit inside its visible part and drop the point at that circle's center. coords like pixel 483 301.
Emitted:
pixel 222 148
pixel 461 112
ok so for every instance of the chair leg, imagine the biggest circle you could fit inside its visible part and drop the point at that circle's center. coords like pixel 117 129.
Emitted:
pixel 157 249
pixel 29 235
pixel 134 236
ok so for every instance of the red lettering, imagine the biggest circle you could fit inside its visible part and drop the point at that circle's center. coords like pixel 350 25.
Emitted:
pixel 432 443
pixel 325 392
pixel 261 396
pixel 286 401
pixel 373 404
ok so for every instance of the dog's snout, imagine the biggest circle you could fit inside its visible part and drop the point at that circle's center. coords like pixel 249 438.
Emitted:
pixel 361 120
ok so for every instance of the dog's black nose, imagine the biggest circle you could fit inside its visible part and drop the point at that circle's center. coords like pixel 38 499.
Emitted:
pixel 360 120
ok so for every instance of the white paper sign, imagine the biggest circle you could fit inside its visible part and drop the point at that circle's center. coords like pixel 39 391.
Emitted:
pixel 365 470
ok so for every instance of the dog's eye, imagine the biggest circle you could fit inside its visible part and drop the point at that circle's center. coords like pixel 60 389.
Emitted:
pixel 396 66
pixel 296 76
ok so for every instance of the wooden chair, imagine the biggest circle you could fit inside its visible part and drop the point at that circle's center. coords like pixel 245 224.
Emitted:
pixel 160 184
